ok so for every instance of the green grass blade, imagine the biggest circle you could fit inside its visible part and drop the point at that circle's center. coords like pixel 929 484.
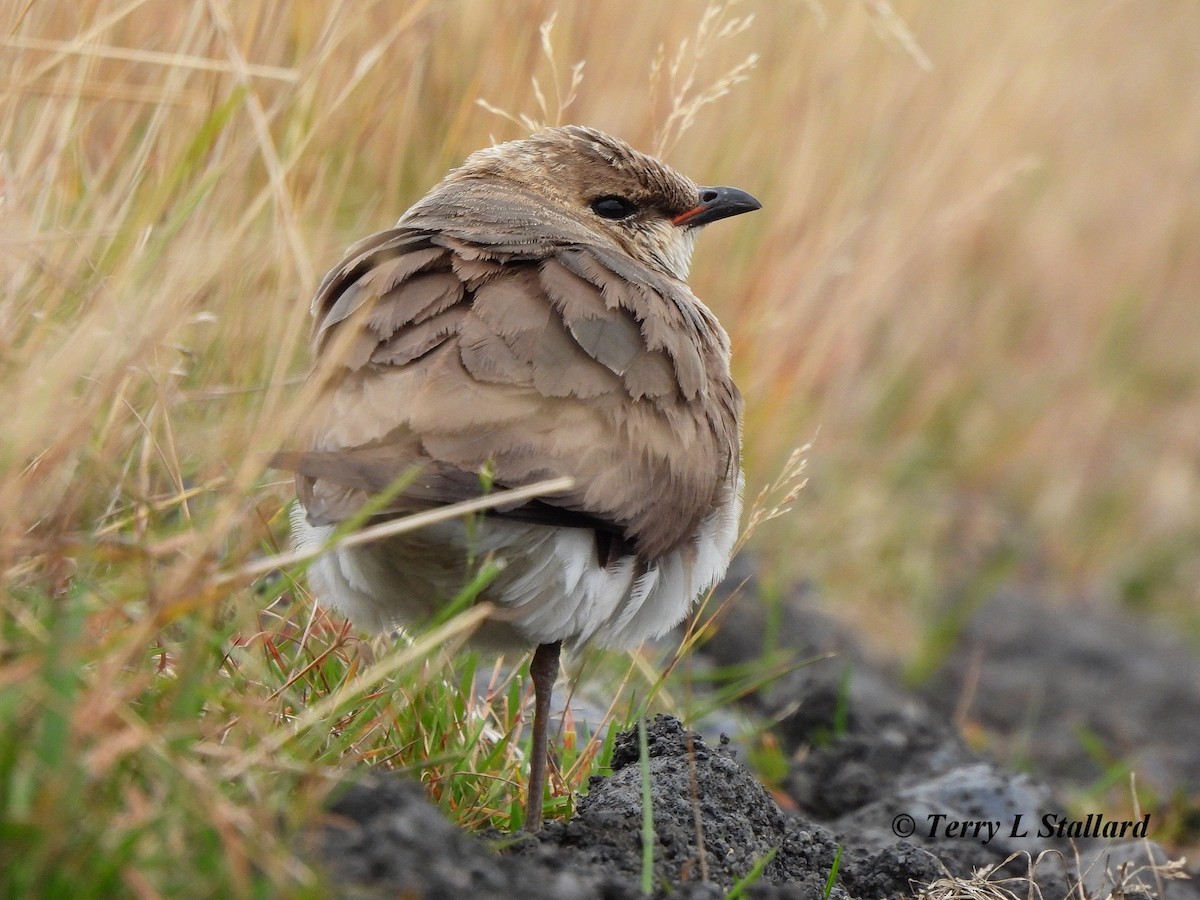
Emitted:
pixel 647 811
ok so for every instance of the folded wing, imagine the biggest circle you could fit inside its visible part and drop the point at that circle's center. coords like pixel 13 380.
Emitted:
pixel 471 364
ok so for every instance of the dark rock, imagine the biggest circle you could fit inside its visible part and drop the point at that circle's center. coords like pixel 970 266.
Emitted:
pixel 1043 675
pixel 383 837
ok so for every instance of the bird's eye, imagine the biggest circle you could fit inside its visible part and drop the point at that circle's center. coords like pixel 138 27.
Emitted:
pixel 613 207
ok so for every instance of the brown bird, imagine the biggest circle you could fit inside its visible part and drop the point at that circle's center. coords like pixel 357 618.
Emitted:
pixel 529 318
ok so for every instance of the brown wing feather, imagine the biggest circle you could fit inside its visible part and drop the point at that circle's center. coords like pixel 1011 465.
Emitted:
pixel 448 357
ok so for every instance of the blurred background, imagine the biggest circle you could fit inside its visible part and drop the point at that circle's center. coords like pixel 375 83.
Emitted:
pixel 973 291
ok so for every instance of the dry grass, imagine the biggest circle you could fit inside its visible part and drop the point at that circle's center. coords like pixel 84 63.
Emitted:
pixel 973 286
pixel 1144 880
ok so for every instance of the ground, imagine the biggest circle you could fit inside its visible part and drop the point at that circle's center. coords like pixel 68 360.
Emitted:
pixel 876 771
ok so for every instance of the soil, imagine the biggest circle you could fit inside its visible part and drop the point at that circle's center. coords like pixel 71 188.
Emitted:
pixel 879 782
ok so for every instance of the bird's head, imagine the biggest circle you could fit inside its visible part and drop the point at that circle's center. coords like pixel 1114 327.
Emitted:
pixel 584 183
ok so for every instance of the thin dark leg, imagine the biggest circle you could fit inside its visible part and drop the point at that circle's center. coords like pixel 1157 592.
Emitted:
pixel 543 670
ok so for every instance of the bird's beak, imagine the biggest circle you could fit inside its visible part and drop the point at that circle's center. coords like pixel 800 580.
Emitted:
pixel 717 203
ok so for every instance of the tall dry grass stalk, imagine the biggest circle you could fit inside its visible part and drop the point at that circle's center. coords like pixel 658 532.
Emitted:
pixel 975 274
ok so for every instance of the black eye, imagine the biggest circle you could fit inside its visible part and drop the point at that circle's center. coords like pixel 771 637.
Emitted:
pixel 613 207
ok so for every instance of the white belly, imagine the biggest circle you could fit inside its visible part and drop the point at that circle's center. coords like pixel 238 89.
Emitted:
pixel 552 588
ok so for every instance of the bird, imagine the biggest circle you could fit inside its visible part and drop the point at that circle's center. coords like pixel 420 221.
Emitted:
pixel 528 318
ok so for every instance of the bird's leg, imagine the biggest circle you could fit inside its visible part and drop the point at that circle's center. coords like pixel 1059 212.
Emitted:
pixel 543 669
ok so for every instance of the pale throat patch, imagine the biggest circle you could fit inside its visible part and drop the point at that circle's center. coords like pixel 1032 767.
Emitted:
pixel 673 246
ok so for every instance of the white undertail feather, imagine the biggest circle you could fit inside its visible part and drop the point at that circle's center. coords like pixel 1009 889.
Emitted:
pixel 552 587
